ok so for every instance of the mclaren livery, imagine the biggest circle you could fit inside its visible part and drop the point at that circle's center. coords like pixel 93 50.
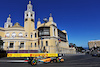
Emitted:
pixel 35 61
pixel 39 58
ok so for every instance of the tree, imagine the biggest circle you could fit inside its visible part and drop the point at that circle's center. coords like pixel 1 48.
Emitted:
pixel 72 45
pixel 1 43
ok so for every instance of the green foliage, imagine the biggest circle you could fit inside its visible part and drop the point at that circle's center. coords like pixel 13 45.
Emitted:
pixel 72 45
pixel 78 49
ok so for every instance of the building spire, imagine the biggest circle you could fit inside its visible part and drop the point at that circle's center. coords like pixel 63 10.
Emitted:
pixel 50 14
pixel 38 23
pixel 50 18
pixel 29 6
pixel 9 15
pixel 8 22
pixel 29 2
pixel 9 19
pixel 38 19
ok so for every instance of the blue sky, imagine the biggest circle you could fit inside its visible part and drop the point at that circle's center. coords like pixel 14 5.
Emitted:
pixel 80 18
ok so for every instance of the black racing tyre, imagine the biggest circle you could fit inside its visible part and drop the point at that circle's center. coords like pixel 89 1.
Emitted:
pixel 29 61
pixel 54 60
pixel 98 55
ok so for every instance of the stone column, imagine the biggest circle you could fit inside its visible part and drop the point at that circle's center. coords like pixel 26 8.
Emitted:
pixel 24 45
pixel 53 30
pixel 8 45
pixel 19 47
pixel 4 45
pixel 56 33
pixel 14 45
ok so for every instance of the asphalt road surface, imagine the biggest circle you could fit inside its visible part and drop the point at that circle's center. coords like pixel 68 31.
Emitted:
pixel 70 61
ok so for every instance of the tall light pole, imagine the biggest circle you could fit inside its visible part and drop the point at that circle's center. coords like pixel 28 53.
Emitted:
pixel 8 49
pixel 45 21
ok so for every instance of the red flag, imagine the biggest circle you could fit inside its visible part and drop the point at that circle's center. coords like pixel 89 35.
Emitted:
pixel 59 40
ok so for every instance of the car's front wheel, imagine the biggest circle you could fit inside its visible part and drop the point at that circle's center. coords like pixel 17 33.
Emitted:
pixel 33 62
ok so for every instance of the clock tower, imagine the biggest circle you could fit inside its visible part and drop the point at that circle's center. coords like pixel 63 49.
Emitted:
pixel 29 17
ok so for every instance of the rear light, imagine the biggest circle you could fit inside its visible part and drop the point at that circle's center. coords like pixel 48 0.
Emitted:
pixel 26 60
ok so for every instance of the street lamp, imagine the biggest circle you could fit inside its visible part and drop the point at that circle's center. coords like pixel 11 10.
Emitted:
pixel 45 21
pixel 8 49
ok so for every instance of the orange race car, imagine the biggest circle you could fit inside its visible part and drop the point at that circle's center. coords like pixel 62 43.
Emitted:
pixel 46 60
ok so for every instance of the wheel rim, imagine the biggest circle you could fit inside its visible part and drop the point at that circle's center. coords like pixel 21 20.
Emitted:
pixel 58 60
pixel 33 62
pixel 51 61
pixel 54 60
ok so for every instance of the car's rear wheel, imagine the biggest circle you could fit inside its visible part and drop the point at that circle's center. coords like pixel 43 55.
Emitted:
pixel 55 60
pixel 98 55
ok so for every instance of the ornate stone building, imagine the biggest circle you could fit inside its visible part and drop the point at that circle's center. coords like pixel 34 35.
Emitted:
pixel 94 43
pixel 23 39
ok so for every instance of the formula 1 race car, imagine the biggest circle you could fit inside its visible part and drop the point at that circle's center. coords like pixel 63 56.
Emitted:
pixel 36 58
pixel 35 61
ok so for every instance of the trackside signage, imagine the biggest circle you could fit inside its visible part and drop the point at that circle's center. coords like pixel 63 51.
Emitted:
pixel 32 54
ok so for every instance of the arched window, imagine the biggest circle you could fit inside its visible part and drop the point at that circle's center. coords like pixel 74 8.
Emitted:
pixel 31 35
pixel 31 44
pixel 20 34
pixel 13 34
pixel 27 14
pixel 22 44
pixel 26 34
pixel 25 19
pixel 35 35
pixel 54 32
pixel 7 35
pixel 32 20
pixel 35 44
pixel 46 43
pixel 31 15
pixel 8 25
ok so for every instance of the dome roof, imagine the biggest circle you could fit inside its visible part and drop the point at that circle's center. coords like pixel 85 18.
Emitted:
pixel 17 25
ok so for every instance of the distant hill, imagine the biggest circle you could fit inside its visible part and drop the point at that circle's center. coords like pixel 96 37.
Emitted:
pixel 85 47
